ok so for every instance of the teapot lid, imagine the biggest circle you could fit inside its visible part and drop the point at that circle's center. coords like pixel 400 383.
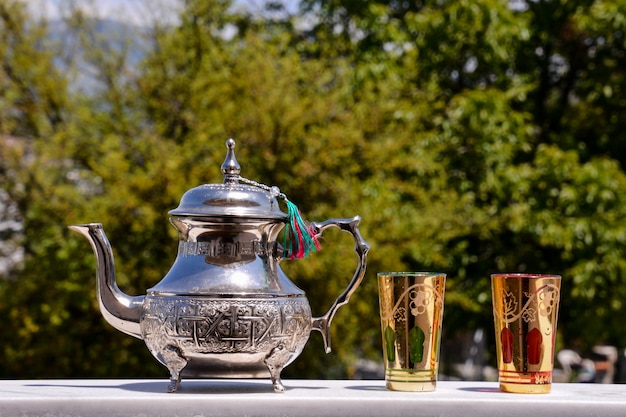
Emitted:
pixel 236 197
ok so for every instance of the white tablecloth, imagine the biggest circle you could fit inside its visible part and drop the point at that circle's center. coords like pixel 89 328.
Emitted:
pixel 224 398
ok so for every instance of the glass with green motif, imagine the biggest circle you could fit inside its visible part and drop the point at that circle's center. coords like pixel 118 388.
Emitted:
pixel 411 313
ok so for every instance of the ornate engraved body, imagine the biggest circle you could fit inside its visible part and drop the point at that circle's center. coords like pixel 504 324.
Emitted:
pixel 205 333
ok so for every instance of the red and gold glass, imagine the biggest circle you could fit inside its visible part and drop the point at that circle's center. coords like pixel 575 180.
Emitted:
pixel 525 309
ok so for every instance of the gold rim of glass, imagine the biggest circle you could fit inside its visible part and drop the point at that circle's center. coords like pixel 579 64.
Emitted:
pixel 403 274
pixel 526 276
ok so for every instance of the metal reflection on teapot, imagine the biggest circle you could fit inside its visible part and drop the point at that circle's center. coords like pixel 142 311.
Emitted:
pixel 225 308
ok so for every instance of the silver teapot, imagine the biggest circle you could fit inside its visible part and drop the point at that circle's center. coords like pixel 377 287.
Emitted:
pixel 225 309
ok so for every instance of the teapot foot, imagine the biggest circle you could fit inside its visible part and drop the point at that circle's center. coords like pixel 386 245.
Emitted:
pixel 275 362
pixel 174 384
pixel 278 385
pixel 175 362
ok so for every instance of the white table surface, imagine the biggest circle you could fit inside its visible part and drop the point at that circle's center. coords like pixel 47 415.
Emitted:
pixel 255 397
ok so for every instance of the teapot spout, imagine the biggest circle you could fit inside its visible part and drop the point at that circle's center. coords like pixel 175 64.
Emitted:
pixel 120 310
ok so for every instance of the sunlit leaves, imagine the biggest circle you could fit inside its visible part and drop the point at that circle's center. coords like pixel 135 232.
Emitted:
pixel 471 137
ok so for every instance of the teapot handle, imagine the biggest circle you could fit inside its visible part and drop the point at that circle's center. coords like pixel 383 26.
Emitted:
pixel 322 324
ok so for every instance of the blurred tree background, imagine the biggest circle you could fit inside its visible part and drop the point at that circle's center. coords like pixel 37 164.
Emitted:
pixel 472 136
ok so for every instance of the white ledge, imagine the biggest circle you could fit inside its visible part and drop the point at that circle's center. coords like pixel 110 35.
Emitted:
pixel 255 397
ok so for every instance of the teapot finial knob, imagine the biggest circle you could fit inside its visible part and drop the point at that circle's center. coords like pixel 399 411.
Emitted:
pixel 230 167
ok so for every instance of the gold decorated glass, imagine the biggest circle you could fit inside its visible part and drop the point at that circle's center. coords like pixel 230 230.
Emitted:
pixel 525 309
pixel 411 312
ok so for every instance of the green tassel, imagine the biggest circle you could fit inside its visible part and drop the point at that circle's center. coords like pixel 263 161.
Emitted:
pixel 299 238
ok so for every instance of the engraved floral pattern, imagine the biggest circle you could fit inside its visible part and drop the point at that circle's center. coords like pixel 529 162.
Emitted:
pixel 217 326
pixel 543 379
pixel 400 314
pixel 510 304
pixel 547 301
pixel 529 314
pixel 419 297
pixel 540 302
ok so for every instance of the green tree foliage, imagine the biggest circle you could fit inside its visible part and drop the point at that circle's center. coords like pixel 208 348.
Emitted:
pixel 516 131
pixel 473 137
